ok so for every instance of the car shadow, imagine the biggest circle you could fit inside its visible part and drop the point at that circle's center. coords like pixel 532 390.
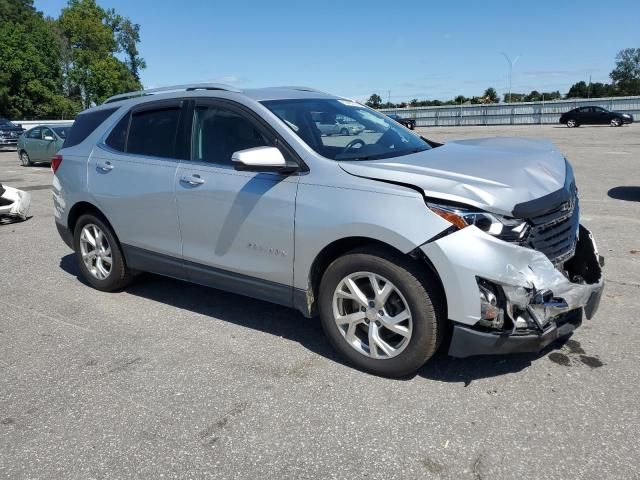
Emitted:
pixel 628 193
pixel 292 325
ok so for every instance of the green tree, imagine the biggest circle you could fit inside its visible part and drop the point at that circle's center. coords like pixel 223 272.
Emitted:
pixel 15 10
pixel 94 72
pixel 626 74
pixel 375 101
pixel 30 78
pixel 491 95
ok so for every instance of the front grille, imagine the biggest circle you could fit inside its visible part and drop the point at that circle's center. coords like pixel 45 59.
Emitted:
pixel 555 232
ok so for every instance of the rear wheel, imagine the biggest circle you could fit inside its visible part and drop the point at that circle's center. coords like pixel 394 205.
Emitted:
pixel 99 255
pixel 24 159
pixel 377 309
pixel 615 122
pixel 571 123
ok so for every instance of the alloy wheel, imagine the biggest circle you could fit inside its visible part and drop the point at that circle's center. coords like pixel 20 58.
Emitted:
pixel 372 315
pixel 571 123
pixel 24 158
pixel 615 122
pixel 96 251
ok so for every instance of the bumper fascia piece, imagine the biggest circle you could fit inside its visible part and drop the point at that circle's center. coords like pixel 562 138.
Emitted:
pixel 18 203
pixel 466 255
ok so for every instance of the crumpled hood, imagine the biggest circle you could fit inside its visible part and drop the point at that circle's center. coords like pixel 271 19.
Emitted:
pixel 494 174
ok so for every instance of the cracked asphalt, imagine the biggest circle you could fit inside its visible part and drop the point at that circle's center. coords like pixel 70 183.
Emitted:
pixel 173 380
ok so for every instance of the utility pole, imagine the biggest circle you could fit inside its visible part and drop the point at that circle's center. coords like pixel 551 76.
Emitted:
pixel 589 88
pixel 511 64
pixel 389 97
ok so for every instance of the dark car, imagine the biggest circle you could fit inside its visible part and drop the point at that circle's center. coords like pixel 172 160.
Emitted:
pixel 410 123
pixel 594 116
pixel 9 133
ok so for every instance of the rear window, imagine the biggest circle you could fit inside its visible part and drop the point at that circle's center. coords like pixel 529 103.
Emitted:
pixel 85 125
pixel 117 139
pixel 153 132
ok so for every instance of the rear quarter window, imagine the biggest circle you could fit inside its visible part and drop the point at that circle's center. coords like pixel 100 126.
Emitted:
pixel 85 124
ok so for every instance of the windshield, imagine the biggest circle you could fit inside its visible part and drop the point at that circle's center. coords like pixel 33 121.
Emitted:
pixel 6 123
pixel 61 131
pixel 346 130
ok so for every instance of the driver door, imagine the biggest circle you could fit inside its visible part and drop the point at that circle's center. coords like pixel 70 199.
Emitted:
pixel 237 227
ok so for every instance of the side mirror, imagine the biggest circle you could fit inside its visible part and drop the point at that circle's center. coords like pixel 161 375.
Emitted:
pixel 49 138
pixel 261 159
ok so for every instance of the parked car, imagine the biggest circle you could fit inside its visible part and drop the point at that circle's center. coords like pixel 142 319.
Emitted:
pixel 9 133
pixel 41 143
pixel 410 123
pixel 348 126
pixel 392 242
pixel 593 115
pixel 329 124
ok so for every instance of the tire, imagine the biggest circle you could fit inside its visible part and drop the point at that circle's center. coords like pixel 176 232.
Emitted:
pixel 415 292
pixel 24 159
pixel 571 123
pixel 344 131
pixel 118 275
pixel 411 126
pixel 615 122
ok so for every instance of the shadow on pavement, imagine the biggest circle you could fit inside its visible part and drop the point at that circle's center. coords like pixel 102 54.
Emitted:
pixel 288 323
pixel 629 194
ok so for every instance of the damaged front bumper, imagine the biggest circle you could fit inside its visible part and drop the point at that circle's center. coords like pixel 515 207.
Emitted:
pixel 504 298
pixel 14 203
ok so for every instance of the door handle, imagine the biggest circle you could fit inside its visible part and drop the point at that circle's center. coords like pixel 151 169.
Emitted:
pixel 104 166
pixel 192 179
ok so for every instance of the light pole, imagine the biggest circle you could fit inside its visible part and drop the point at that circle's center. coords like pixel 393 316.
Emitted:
pixel 511 64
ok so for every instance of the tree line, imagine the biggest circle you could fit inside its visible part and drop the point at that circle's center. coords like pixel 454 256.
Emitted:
pixel 55 67
pixel 625 81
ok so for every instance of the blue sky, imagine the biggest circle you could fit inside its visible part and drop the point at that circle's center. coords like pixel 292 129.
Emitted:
pixel 414 49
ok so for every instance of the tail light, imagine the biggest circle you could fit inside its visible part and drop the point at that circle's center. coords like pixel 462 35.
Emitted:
pixel 55 163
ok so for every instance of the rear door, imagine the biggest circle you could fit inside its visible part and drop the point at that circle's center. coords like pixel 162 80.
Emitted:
pixel 132 177
pixel 236 226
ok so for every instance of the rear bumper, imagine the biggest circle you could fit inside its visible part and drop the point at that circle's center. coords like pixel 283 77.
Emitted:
pixel 65 234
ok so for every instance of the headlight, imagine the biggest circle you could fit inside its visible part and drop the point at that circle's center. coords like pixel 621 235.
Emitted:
pixel 505 228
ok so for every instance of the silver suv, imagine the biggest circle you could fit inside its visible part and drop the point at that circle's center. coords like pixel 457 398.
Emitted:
pixel 398 243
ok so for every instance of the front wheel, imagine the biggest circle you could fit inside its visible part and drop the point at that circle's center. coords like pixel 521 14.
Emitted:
pixel 615 122
pixel 24 159
pixel 344 131
pixel 99 255
pixel 379 311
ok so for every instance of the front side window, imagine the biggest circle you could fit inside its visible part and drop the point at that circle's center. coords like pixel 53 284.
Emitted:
pixel 153 132
pixel 219 132
pixel 46 133
pixel 377 137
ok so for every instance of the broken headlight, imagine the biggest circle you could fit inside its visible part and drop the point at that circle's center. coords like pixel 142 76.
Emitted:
pixel 500 226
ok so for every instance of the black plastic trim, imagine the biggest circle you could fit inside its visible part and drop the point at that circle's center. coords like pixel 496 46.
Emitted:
pixel 144 260
pixel 467 342
pixel 65 234
pixel 542 205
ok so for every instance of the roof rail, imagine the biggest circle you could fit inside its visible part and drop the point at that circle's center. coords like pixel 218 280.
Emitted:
pixel 302 89
pixel 172 88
